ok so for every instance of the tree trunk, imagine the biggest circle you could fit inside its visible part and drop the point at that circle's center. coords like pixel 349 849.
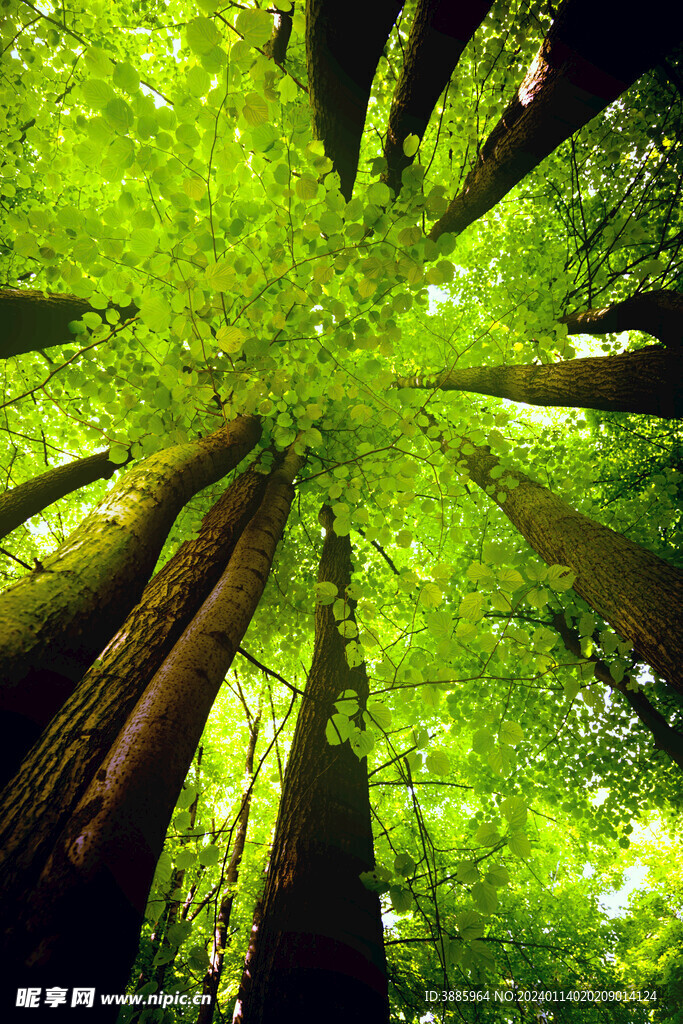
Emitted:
pixel 592 53
pixel 659 313
pixel 33 320
pixel 319 952
pixel 276 47
pixel 27 499
pixel 665 738
pixel 439 33
pixel 57 619
pixel 344 41
pixel 212 978
pixel 45 792
pixel 639 594
pixel 646 381
pixel 98 876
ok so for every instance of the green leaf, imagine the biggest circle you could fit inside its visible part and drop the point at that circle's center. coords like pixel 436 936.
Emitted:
pixel 519 844
pixel 97 93
pixel 255 109
pixel 380 715
pixel 438 762
pixel 511 733
pixel 202 35
pixel 515 811
pixel 472 606
pixel 467 872
pixel 401 899
pixel 155 311
pixel 185 859
pixel 411 145
pixel 230 339
pixel 338 729
pixel 126 77
pixel 485 896
pixel 470 925
pixel 362 741
pixel 209 855
pixel 404 865
pixel 487 835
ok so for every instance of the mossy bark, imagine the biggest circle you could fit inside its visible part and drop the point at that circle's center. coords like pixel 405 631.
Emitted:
pixel 24 501
pixel 319 950
pixel 592 53
pixel 101 868
pixel 57 619
pixel 38 801
pixel 639 594
pixel 646 381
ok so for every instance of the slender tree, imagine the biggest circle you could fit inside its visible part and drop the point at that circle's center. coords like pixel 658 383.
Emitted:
pixel 634 590
pixel 589 57
pixel 665 737
pixel 58 619
pixel 212 978
pixel 51 780
pixel 646 381
pixel 24 501
pixel 319 940
pixel 104 861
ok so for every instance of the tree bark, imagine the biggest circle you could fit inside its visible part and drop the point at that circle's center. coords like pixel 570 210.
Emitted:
pixel 439 33
pixel 212 978
pixel 39 800
pixel 102 866
pixel 319 951
pixel 592 53
pixel 639 594
pixel 27 499
pixel 659 313
pixel 665 738
pixel 344 41
pixel 58 619
pixel 276 47
pixel 33 320
pixel 646 381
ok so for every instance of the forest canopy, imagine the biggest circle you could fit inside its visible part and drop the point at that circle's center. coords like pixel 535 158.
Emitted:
pixel 341 631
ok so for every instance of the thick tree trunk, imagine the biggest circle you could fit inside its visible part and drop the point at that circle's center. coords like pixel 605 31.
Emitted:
pixel 319 952
pixel 647 381
pixel 33 320
pixel 44 793
pixel 344 41
pixel 659 313
pixel 27 499
pixel 639 594
pixel 98 876
pixel 57 620
pixel 439 33
pixel 592 53
pixel 212 978
pixel 665 738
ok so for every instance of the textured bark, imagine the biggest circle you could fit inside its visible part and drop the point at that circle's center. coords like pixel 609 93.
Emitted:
pixel 665 738
pixel 276 47
pixel 592 53
pixel 439 33
pixel 102 866
pixel 44 793
pixel 647 381
pixel 344 41
pixel 27 499
pixel 659 313
pixel 319 951
pixel 33 320
pixel 639 594
pixel 212 978
pixel 58 619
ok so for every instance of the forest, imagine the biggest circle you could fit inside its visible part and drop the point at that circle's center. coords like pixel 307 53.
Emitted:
pixel 341 585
